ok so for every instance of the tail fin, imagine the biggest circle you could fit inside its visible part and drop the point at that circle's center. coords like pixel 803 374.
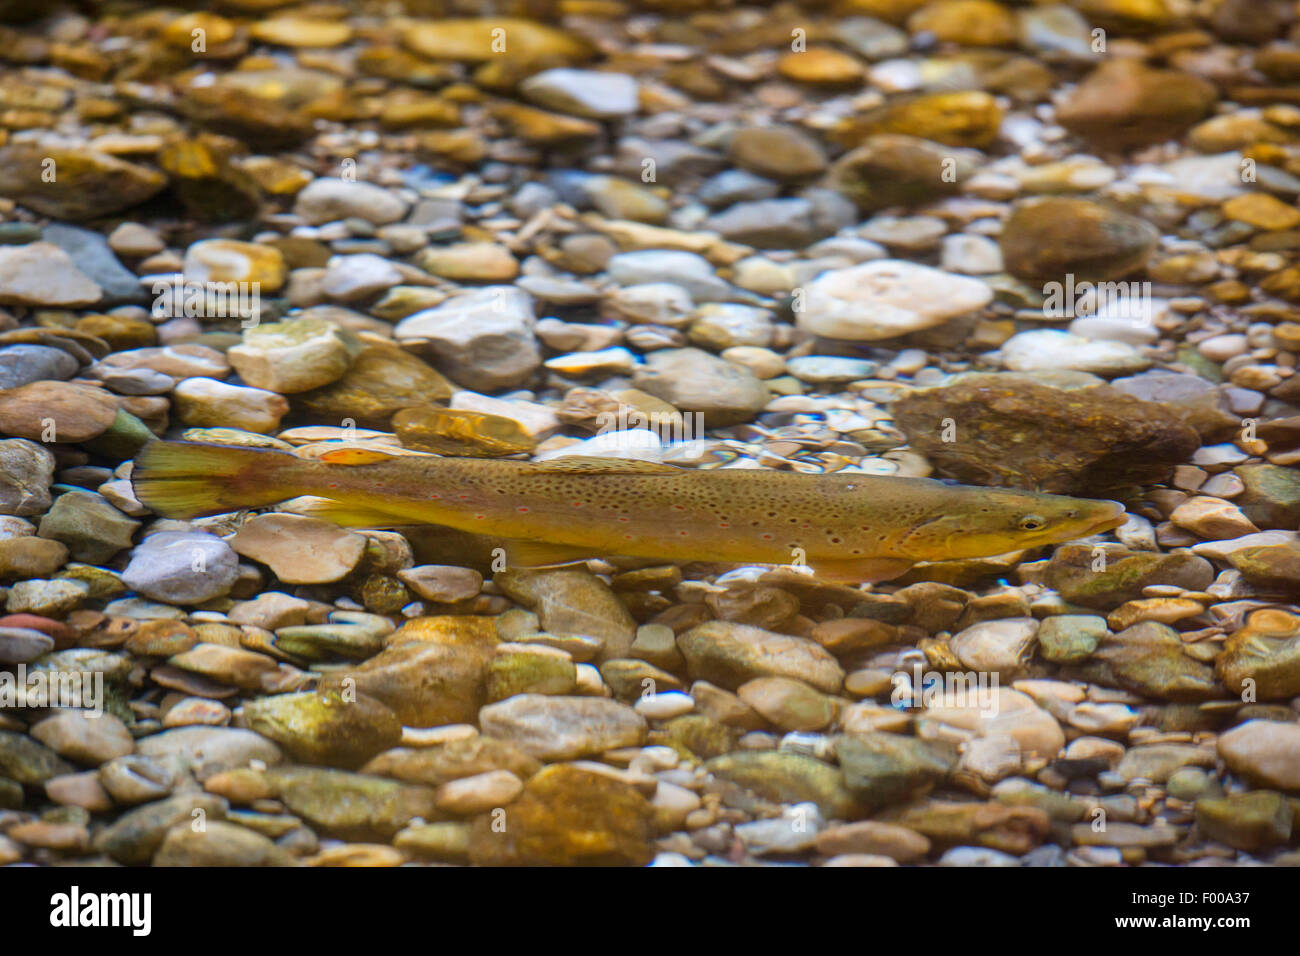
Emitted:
pixel 192 479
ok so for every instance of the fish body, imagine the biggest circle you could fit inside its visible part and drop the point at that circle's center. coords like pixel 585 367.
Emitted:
pixel 846 526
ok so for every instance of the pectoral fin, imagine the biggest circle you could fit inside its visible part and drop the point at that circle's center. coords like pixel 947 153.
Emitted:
pixel 540 554
pixel 861 570
pixel 345 515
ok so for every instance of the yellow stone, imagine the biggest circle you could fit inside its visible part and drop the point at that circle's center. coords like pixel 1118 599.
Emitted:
pixel 479 40
pixel 538 126
pixel 301 32
pixel 470 261
pixel 962 118
pixel 1262 211
pixel 216 31
pixel 968 22
pixel 460 146
pixel 454 431
pixel 820 66
pixel 406 109
pixel 276 176
pixel 228 260
pixel 892 11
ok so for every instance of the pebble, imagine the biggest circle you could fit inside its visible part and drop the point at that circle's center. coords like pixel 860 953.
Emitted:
pixel 178 567
pixel 693 380
pixel 692 273
pixel 228 260
pixel 589 93
pixel 21 645
pixel 48 411
pixel 293 356
pixel 484 337
pixel 208 403
pixel 24 364
pixel 41 274
pixel 330 199
pixel 887 298
pixel 1264 751
pixel 26 473
pixel 298 549
pixel 1045 349
pixel 91 528
pixel 562 728
pixel 442 583
pixel 87 739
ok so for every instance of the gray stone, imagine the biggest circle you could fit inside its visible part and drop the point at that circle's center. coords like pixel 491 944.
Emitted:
pixel 20 364
pixel 181 567
pixel 692 272
pixel 26 473
pixel 93 256
pixel 482 338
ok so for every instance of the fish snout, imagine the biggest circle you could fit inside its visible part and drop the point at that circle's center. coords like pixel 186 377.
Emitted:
pixel 1111 514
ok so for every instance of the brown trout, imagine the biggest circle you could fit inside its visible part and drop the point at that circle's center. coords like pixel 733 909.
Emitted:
pixel 848 527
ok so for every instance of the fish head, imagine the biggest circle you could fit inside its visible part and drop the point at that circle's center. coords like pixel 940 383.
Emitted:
pixel 981 522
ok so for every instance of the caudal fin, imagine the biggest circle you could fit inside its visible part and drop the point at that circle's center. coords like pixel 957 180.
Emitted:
pixel 192 479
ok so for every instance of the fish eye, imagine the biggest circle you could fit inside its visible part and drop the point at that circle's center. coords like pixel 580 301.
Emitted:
pixel 1032 523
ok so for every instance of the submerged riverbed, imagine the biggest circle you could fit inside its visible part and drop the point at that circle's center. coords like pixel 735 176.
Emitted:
pixel 1042 247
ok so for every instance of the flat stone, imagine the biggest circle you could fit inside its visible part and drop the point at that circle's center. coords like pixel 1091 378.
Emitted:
pixel 181 567
pixel 1266 752
pixel 329 199
pixel 56 411
pixel 594 94
pixel 293 356
pixel 563 728
pixel 887 298
pixel 729 654
pixel 483 337
pixel 298 549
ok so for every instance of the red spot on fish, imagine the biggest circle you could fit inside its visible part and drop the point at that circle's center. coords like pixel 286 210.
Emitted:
pixel 577 504
pixel 723 524
pixel 522 509
pixel 464 497
pixel 766 537
pixel 480 517
pixel 624 518
pixel 334 484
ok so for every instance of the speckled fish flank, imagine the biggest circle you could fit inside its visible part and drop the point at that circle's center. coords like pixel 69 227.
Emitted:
pixel 852 526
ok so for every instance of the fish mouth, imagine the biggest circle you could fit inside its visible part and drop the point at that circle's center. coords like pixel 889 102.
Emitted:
pixel 1116 516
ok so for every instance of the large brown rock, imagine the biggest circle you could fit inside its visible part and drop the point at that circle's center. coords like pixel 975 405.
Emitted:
pixel 433 671
pixel 65 183
pixel 567 816
pixel 1054 237
pixel 1108 577
pixel 1012 431
pixel 1126 103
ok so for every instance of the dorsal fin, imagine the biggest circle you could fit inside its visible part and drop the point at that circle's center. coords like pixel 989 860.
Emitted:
pixel 356 456
pixel 589 465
